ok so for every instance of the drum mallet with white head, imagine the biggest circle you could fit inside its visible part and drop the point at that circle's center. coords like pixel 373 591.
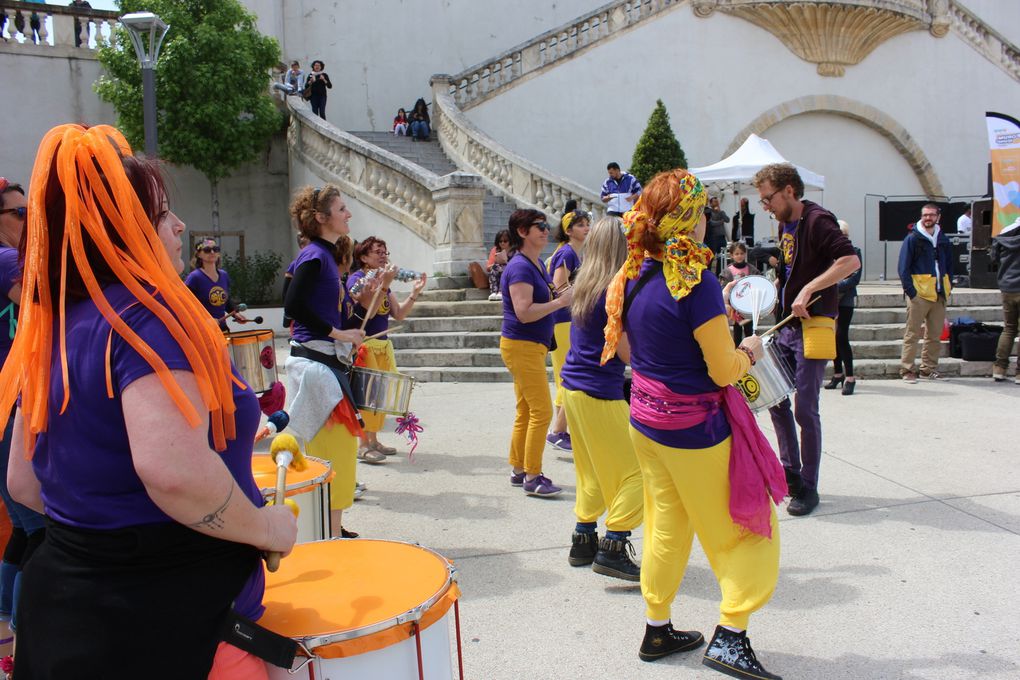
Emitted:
pixel 286 453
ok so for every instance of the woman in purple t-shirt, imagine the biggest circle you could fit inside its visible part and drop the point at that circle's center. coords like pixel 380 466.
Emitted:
pixel 708 470
pixel 210 284
pixel 143 433
pixel 608 476
pixel 528 304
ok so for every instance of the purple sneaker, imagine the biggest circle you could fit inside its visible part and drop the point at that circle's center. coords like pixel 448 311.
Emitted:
pixel 517 478
pixel 541 486
pixel 560 440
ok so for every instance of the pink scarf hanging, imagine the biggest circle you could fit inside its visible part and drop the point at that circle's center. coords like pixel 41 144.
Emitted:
pixel 755 472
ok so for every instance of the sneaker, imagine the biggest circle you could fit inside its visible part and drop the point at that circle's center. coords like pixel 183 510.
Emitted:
pixel 803 503
pixel 612 560
pixel 359 491
pixel 731 653
pixel 370 456
pixel 384 450
pixel 662 641
pixel 360 486
pixel 495 297
pixel 541 486
pixel 998 375
pixel 934 375
pixel 517 478
pixel 560 440
pixel 909 377
pixel 582 549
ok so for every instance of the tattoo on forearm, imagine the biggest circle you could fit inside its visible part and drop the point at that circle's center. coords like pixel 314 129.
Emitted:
pixel 214 520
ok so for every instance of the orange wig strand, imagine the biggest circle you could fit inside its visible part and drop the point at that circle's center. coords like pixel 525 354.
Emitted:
pixel 103 213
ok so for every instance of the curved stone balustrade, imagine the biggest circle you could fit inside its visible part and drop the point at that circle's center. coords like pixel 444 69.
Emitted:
pixel 57 27
pixel 985 39
pixel 517 178
pixel 482 81
pixel 445 211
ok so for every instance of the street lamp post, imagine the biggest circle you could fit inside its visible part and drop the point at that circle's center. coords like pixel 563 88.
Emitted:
pixel 147 32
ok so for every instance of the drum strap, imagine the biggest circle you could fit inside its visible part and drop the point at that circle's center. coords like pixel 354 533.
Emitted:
pixel 250 637
pixel 645 278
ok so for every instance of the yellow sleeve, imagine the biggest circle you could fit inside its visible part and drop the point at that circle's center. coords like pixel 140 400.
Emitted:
pixel 725 363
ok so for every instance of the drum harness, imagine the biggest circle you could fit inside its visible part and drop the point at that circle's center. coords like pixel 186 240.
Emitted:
pixel 340 369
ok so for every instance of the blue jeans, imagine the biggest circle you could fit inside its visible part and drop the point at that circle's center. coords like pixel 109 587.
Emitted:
pixel 420 129
pixel 804 458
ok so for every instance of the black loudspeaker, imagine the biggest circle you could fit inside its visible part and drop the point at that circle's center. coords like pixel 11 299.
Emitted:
pixel 982 273
pixel 961 254
pixel 981 217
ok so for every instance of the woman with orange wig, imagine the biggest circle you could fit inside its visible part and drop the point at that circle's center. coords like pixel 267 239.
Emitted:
pixel 133 433
pixel 707 468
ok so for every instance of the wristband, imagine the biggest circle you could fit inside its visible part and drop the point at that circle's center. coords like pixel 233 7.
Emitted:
pixel 749 353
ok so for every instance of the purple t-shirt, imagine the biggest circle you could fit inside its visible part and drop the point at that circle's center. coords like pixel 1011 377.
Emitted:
pixel 83 460
pixel 10 274
pixel 662 346
pixel 378 323
pixel 325 298
pixel 212 294
pixel 522 270
pixel 581 370
pixel 565 256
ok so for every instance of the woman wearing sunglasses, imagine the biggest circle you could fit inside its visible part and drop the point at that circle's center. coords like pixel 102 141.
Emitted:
pixel 27 524
pixel 210 284
pixel 527 334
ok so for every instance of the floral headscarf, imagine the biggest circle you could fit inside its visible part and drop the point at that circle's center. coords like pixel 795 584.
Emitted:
pixel 683 259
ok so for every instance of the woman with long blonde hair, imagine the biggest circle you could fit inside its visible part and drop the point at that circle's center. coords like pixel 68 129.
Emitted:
pixel 707 468
pixel 608 476
pixel 133 432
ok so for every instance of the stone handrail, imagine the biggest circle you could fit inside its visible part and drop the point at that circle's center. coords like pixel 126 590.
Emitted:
pixel 515 177
pixel 986 40
pixel 445 211
pixel 57 26
pixel 482 81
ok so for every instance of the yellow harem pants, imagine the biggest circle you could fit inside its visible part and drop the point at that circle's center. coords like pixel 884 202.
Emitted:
pixel 561 332
pixel 687 492
pixel 608 475
pixel 378 355
pixel 335 443
pixel 526 363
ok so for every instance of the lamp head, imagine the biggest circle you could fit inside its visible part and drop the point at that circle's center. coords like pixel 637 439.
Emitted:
pixel 147 32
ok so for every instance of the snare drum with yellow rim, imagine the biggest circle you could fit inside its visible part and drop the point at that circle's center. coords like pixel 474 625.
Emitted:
pixel 362 608
pixel 309 488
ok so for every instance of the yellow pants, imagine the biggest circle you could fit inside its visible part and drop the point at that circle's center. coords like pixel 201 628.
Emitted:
pixel 561 332
pixel 378 355
pixel 526 362
pixel 608 475
pixel 687 492
pixel 337 445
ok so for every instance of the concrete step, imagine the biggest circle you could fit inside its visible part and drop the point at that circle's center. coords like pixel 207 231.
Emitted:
pixel 461 374
pixel 488 357
pixel 455 340
pixel 454 295
pixel 450 324
pixel 962 297
pixel 893 315
pixel 879 368
pixel 465 308
pixel 448 282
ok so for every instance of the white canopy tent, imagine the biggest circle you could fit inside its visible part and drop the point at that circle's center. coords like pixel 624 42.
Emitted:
pixel 742 164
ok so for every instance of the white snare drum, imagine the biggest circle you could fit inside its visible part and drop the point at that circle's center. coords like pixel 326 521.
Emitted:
pixel 308 488
pixel 255 357
pixel 769 381
pixel 749 290
pixel 362 608
pixel 381 391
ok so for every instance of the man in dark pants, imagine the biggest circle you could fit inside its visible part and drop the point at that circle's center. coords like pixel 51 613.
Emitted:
pixel 815 257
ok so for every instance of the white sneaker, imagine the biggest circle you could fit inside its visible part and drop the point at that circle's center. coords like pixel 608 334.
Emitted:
pixel 998 376
pixel 495 297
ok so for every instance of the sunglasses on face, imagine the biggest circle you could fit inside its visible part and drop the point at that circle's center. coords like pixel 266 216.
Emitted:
pixel 209 249
pixel 544 226
pixel 20 212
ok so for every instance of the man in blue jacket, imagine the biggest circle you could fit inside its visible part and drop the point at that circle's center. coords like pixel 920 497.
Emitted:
pixel 925 268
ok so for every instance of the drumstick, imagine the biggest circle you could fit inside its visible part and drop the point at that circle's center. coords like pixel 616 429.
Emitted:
pixel 787 319
pixel 381 333
pixel 369 313
pixel 286 453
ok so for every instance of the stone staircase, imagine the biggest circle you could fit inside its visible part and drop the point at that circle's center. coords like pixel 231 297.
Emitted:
pixel 453 333
pixel 429 155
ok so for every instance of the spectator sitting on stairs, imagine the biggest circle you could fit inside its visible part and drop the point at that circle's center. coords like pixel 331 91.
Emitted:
pixel 420 122
pixel 400 123
pixel 497 263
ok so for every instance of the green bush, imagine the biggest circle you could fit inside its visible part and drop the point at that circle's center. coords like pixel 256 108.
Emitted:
pixel 253 279
pixel 658 148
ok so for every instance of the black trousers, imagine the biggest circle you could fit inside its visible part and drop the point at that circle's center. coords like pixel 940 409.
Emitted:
pixel 844 353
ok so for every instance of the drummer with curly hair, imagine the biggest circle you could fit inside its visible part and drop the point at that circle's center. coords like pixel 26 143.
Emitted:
pixel 707 468
pixel 323 413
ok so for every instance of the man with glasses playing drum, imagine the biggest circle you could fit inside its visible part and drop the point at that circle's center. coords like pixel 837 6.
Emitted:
pixel 815 256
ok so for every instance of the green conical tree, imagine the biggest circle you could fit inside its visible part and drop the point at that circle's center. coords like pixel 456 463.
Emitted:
pixel 658 148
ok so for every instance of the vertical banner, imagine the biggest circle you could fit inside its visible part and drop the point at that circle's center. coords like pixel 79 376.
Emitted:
pixel 1004 142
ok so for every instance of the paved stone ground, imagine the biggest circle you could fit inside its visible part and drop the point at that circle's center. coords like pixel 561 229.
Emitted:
pixel 906 570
